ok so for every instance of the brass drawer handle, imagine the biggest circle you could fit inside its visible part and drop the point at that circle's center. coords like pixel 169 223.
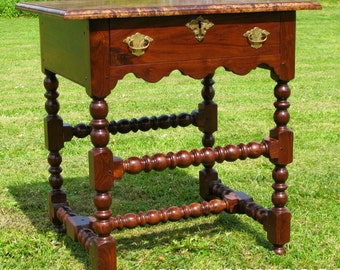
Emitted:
pixel 138 43
pixel 256 37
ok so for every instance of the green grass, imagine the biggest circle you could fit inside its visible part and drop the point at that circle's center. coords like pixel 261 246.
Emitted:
pixel 27 240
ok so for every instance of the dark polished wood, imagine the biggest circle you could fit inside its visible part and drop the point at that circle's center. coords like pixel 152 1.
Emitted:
pixel 96 43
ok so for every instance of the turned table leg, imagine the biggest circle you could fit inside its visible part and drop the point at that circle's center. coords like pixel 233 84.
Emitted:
pixel 207 123
pixel 281 154
pixel 54 141
pixel 103 248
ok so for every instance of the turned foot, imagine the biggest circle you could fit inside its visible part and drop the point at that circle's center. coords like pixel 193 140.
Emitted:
pixel 279 249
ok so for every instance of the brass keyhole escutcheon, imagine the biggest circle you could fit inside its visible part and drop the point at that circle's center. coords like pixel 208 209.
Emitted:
pixel 199 26
pixel 138 43
pixel 256 37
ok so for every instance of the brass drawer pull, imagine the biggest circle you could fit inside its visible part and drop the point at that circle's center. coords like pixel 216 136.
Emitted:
pixel 256 37
pixel 138 43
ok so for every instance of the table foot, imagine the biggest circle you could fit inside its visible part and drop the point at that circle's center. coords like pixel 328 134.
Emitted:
pixel 103 253
pixel 279 249
pixel 278 229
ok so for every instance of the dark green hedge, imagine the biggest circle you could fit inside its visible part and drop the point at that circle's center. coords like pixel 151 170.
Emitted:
pixel 7 8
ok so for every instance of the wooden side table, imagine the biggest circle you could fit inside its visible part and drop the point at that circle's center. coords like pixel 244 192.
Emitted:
pixel 96 43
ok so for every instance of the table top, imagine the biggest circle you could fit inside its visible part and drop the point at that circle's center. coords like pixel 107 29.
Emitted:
pixel 100 9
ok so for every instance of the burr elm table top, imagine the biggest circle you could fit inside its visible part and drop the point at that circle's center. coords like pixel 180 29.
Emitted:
pixel 97 9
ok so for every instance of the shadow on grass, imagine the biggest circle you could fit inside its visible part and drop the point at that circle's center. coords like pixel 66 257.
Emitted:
pixel 133 194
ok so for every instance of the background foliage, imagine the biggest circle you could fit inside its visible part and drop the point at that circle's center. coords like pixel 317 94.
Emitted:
pixel 7 8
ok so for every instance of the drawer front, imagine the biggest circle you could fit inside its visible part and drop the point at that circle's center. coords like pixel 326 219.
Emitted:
pixel 172 41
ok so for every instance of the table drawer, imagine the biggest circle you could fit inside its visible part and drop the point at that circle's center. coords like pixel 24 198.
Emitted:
pixel 173 41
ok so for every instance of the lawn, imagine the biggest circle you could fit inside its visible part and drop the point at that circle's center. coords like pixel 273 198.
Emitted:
pixel 27 240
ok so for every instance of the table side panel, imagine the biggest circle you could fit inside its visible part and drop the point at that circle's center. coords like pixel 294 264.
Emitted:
pixel 65 48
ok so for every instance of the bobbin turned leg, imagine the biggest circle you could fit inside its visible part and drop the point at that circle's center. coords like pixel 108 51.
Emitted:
pixel 54 141
pixel 280 144
pixel 207 123
pixel 103 248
